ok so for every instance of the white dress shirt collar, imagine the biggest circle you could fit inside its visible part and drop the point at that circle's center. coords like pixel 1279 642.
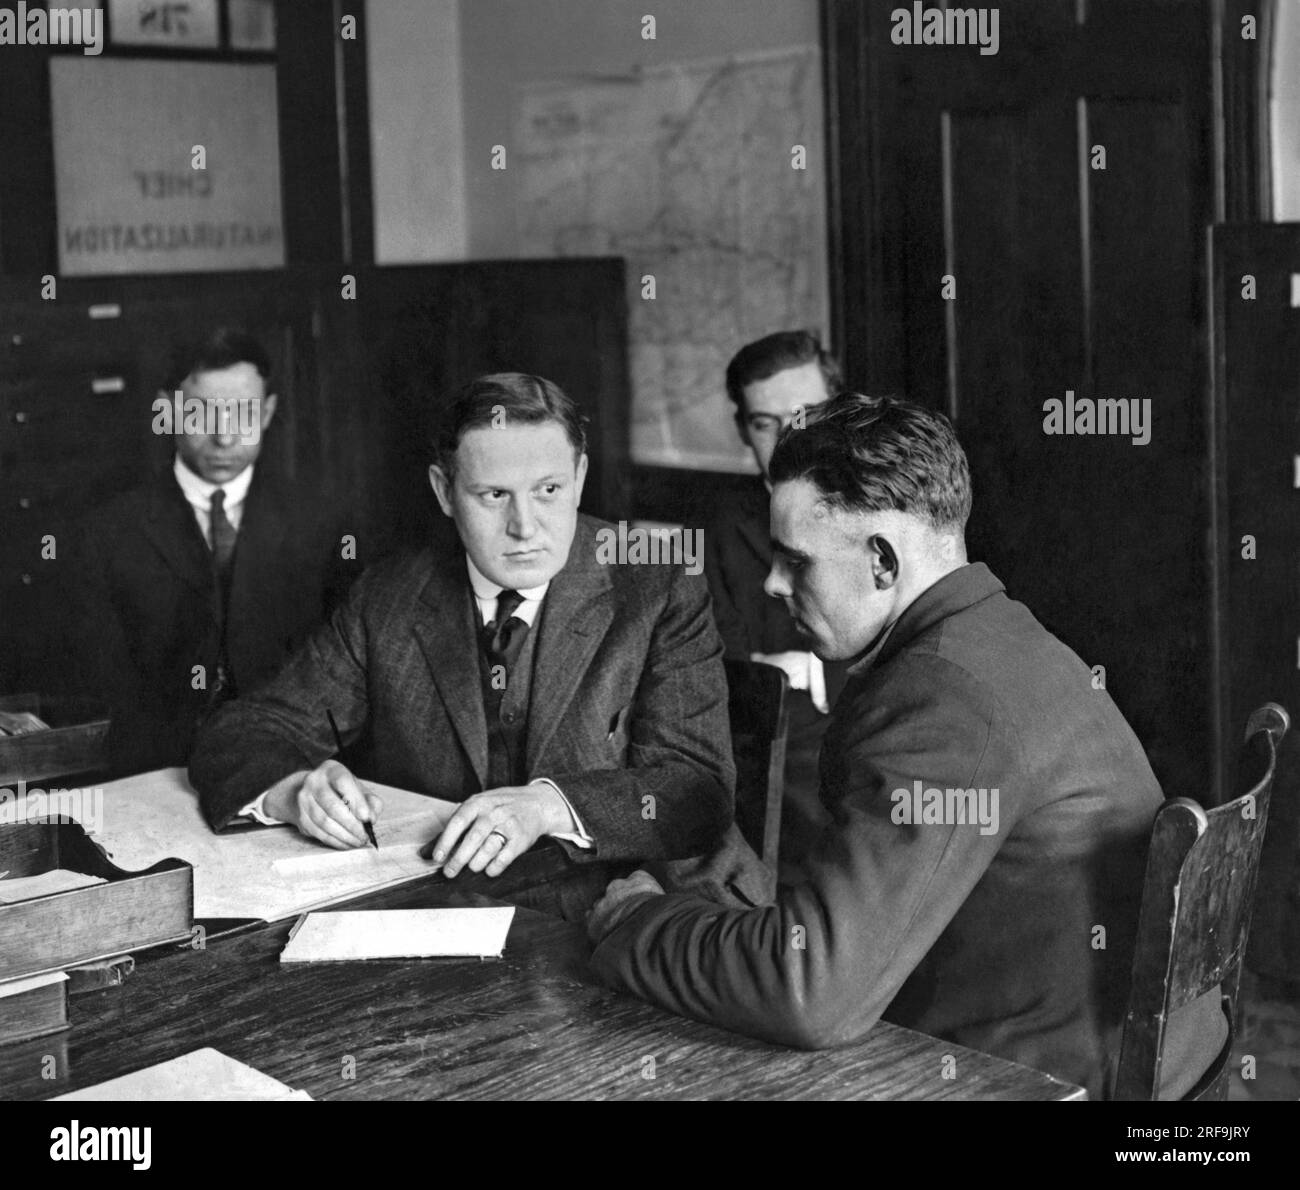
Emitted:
pixel 486 593
pixel 198 491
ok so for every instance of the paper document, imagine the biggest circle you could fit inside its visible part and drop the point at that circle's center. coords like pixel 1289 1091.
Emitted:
pixel 15 987
pixel 57 880
pixel 204 1074
pixel 399 934
pixel 266 872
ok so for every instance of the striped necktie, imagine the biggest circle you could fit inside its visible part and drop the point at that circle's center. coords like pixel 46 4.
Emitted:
pixel 222 533
pixel 503 639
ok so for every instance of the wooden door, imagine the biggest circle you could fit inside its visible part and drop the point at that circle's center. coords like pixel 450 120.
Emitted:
pixel 1064 186
pixel 1257 559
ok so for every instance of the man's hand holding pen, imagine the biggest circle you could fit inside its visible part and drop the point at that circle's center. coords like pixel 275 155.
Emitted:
pixel 327 804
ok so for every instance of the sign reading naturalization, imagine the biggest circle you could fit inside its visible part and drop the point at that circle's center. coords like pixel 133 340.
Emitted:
pixel 165 166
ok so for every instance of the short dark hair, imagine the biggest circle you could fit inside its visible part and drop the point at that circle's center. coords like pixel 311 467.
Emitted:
pixel 513 397
pixel 223 347
pixel 869 454
pixel 764 358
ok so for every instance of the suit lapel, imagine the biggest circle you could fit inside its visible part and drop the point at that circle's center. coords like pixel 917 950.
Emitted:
pixel 262 530
pixel 174 534
pixel 448 635
pixel 576 614
pixel 752 525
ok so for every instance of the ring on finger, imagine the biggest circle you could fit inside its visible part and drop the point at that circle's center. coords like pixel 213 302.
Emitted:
pixel 500 835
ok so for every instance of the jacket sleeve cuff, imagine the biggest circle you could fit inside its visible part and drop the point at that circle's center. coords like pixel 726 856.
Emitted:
pixel 578 836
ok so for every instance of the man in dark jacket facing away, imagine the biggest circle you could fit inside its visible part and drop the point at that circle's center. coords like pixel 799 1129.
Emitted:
pixel 981 874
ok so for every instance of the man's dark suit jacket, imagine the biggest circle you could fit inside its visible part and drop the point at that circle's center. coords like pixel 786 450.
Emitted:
pixel 737 558
pixel 627 711
pixel 987 940
pixel 145 607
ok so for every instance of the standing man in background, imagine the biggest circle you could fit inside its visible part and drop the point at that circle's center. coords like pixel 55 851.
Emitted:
pixel 199 584
pixel 770 381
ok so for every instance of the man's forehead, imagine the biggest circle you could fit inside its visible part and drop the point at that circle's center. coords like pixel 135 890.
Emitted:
pixel 801 514
pixel 232 383
pixel 802 384
pixel 799 498
pixel 519 453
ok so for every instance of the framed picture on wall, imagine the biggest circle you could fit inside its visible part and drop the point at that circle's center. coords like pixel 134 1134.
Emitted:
pixel 252 24
pixel 173 24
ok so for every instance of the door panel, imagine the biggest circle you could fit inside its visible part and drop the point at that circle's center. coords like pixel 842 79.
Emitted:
pixel 1069 278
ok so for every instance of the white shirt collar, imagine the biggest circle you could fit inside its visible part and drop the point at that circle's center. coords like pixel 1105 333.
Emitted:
pixel 486 593
pixel 198 491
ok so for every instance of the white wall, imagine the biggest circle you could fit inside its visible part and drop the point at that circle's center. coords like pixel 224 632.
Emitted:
pixel 1285 112
pixel 417 136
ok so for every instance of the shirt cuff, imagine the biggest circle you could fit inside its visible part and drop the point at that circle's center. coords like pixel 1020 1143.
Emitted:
pixel 578 836
pixel 255 811
pixel 817 684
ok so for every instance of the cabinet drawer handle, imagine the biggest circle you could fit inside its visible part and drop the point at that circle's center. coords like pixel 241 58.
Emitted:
pixel 102 385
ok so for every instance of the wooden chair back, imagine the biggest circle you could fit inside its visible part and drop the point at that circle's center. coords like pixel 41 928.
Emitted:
pixel 1197 904
pixel 759 722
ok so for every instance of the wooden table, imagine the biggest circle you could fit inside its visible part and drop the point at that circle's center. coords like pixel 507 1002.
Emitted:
pixel 532 1025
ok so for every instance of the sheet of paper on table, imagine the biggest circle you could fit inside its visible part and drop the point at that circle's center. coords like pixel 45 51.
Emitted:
pixel 399 934
pixel 263 872
pixel 56 880
pixel 16 987
pixel 205 1074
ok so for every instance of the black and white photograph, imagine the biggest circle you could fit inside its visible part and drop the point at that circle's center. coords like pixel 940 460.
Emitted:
pixel 649 550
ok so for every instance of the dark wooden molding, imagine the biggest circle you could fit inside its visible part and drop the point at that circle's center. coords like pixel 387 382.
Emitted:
pixel 865 253
pixel 354 126
pixel 1243 66
pixel 310 166
pixel 28 217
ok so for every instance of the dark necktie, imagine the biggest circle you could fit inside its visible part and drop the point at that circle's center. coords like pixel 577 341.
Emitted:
pixel 503 639
pixel 223 534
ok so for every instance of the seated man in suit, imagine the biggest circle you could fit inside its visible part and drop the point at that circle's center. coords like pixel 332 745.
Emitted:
pixel 554 696
pixel 770 381
pixel 981 874
pixel 200 584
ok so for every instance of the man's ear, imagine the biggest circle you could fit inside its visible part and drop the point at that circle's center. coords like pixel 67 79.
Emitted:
pixel 884 562
pixel 268 409
pixel 440 481
pixel 580 477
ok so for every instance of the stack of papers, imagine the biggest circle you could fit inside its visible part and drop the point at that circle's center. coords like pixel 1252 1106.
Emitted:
pixel 56 880
pixel 399 934
pixel 205 1074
